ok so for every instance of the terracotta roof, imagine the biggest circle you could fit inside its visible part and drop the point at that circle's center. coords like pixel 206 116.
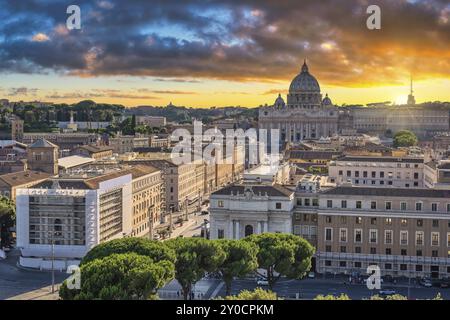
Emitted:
pixel 23 177
pixel 95 149
pixel 313 155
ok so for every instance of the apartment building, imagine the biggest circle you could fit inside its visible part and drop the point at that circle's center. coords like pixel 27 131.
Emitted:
pixel 402 172
pixel 148 204
pixel 77 213
pixel 183 183
pixel 406 232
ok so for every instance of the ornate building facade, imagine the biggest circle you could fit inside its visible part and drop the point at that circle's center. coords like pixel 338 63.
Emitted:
pixel 305 116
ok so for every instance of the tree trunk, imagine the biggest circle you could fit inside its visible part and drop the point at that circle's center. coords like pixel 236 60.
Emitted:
pixel 227 288
pixel 186 292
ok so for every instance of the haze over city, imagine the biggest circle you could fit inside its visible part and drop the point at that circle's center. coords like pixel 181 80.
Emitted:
pixel 222 53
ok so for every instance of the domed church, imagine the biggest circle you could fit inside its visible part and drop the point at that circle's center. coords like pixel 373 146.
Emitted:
pixel 305 116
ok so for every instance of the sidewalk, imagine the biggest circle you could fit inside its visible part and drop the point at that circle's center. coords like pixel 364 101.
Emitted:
pixel 44 293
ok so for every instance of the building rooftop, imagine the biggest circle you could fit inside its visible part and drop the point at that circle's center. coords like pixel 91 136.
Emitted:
pixel 73 161
pixel 313 155
pixel 42 143
pixel 381 159
pixel 94 149
pixel 23 177
pixel 275 190
pixel 388 192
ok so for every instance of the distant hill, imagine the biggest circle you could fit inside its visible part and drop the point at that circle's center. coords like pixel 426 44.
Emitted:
pixel 184 114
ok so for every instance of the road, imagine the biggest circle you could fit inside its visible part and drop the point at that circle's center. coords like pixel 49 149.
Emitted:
pixel 310 288
pixel 15 281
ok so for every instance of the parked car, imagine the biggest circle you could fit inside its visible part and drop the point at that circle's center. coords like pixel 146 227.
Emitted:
pixel 156 237
pixel 204 213
pixel 426 283
pixel 387 292
pixel 311 275
pixel 262 282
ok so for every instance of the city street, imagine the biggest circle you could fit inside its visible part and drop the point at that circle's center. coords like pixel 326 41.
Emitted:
pixel 27 284
pixel 310 288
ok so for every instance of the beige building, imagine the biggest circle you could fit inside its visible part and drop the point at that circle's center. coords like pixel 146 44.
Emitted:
pixel 148 204
pixel 122 144
pixel 404 172
pixel 43 155
pixel 406 232
pixel 94 152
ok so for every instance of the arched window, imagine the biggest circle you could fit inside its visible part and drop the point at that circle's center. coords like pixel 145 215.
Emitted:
pixel 248 230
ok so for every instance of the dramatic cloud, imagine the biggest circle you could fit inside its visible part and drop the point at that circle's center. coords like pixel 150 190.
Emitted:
pixel 253 40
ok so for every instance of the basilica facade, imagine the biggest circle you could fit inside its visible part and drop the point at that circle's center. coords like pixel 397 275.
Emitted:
pixel 305 116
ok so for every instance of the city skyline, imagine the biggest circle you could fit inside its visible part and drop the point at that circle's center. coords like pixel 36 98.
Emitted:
pixel 154 53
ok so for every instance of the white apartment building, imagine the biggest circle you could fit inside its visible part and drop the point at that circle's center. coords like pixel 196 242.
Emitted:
pixel 403 172
pixel 74 215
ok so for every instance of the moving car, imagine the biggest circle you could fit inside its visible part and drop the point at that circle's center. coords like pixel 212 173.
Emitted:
pixel 387 292
pixel 426 283
pixel 262 282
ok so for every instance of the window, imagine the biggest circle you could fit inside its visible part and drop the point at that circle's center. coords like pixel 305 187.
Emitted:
pixel 365 174
pixel 381 174
pixel 328 219
pixel 358 204
pixel 358 220
pixel 388 266
pixel 388 205
pixel 349 173
pixel 357 264
pixel 374 174
pixel 448 207
pixel 220 204
pixel 343 249
pixel 434 253
pixel 328 263
pixel 435 223
pixel 343 264
pixel 358 250
pixel 403 206
pixel 419 267
pixel 388 234
pixel 448 239
pixel 327 248
pixel 404 252
pixel 344 204
pixel 373 236
pixel 418 206
pixel 373 205
pixel 358 235
pixel 388 221
pixel 373 220
pixel 404 222
pixel 220 234
pixel 299 201
pixel 404 238
pixel 329 203
pixel 307 202
pixel 373 250
pixel 419 253
pixel 278 205
pixel 416 175
pixel 306 217
pixel 356 174
pixel 434 207
pixel 340 172
pixel 343 234
pixel 435 239
pixel 315 202
pixel 388 251
pixel 419 222
pixel 328 234
pixel 419 238
pixel 403 267
pixel 343 219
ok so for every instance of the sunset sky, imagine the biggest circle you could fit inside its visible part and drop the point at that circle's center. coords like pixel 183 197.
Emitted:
pixel 201 53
